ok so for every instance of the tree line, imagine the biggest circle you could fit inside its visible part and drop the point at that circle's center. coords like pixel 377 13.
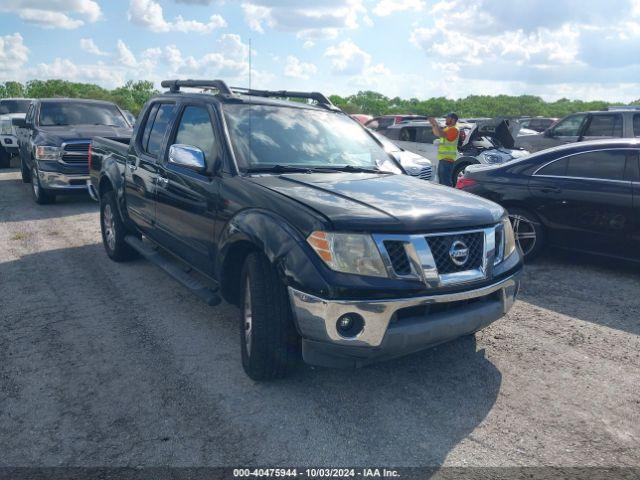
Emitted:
pixel 132 95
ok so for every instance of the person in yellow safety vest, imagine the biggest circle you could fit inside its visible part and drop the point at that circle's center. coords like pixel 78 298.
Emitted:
pixel 447 148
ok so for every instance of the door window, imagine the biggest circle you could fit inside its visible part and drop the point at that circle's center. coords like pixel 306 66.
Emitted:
pixel 29 117
pixel 604 164
pixel 605 125
pixel 569 127
pixel 195 129
pixel 555 169
pixel 155 128
pixel 636 125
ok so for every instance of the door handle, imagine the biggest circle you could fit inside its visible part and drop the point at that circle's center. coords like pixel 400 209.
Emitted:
pixel 131 164
pixel 550 190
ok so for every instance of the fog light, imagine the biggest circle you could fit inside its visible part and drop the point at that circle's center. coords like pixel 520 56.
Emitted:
pixel 349 325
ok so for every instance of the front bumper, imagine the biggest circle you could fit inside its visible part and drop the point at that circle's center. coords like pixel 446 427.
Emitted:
pixel 63 181
pixel 398 326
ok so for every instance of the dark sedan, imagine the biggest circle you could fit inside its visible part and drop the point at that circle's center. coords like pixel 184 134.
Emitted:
pixel 582 197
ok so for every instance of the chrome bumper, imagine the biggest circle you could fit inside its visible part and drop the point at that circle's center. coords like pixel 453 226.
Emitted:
pixel 55 180
pixel 316 317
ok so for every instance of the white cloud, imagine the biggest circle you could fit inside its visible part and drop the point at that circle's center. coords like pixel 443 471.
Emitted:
pixel 88 45
pixel 347 58
pixel 387 7
pixel 149 14
pixel 67 70
pixel 124 56
pixel 13 53
pixel 296 69
pixel 65 14
pixel 308 44
pixel 310 20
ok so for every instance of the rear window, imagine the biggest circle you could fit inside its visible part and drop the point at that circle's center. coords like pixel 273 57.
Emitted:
pixel 156 128
pixel 636 125
pixel 78 113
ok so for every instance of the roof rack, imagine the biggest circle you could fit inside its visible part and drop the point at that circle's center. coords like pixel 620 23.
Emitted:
pixel 320 98
pixel 174 85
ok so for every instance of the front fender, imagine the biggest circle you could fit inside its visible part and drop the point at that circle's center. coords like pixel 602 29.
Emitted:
pixel 283 245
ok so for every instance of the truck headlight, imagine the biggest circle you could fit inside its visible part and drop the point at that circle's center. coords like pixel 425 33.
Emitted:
pixel 44 152
pixel 348 253
pixel 509 237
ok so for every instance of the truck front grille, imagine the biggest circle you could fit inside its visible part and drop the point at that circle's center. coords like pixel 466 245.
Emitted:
pixel 76 153
pixel 398 257
pixel 441 247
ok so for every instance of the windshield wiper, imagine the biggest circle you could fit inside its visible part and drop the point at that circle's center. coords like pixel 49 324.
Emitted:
pixel 281 169
pixel 352 168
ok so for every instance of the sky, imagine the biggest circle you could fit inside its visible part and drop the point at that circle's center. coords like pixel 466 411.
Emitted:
pixel 577 49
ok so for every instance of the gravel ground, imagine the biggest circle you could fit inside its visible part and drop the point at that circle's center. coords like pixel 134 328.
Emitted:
pixel 105 364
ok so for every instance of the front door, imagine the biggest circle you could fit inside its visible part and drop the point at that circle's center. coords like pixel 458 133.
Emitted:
pixel 565 131
pixel 186 199
pixel 587 201
pixel 141 169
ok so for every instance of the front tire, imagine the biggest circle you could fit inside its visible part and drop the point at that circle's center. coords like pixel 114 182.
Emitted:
pixel 528 231
pixel 24 171
pixel 270 345
pixel 114 230
pixel 41 195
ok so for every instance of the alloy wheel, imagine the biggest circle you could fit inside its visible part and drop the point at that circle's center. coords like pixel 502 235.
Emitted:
pixel 524 230
pixel 109 227
pixel 247 317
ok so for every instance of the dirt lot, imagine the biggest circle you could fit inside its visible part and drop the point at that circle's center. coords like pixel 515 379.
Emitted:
pixel 105 364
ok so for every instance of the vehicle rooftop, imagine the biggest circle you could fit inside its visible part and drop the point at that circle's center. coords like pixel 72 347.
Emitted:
pixel 74 100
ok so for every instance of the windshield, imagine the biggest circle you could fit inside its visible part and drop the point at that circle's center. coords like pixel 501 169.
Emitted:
pixel 78 113
pixel 14 106
pixel 264 136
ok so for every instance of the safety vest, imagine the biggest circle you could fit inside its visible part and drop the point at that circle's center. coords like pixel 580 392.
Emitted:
pixel 448 150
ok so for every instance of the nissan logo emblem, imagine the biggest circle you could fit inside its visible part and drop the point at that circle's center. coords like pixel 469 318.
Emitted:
pixel 459 253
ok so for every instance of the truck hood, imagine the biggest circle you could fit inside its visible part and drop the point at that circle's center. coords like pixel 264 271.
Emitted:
pixel 74 132
pixel 383 203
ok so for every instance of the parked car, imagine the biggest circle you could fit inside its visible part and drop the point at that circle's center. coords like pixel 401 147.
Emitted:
pixel 412 163
pixel 583 196
pixel 538 124
pixel 54 142
pixel 282 209
pixel 363 119
pixel 487 142
pixel 382 123
pixel 578 127
pixel 10 108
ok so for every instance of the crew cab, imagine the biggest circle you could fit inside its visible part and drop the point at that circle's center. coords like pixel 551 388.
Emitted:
pixel 11 110
pixel 53 143
pixel 282 208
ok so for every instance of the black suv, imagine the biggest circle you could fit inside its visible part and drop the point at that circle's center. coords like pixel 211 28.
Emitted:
pixel 286 210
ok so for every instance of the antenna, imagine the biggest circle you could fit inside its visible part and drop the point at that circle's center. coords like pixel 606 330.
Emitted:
pixel 250 55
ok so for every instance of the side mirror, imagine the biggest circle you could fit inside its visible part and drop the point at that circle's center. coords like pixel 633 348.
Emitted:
pixel 548 133
pixel 188 157
pixel 19 122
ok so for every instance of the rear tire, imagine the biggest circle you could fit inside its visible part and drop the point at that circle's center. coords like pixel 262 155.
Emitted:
pixel 41 195
pixel 270 345
pixel 5 158
pixel 528 231
pixel 114 230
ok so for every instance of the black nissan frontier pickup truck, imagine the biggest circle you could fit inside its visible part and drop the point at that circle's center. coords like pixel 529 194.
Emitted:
pixel 288 210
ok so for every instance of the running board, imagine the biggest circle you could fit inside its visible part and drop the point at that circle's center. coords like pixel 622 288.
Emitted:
pixel 208 295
